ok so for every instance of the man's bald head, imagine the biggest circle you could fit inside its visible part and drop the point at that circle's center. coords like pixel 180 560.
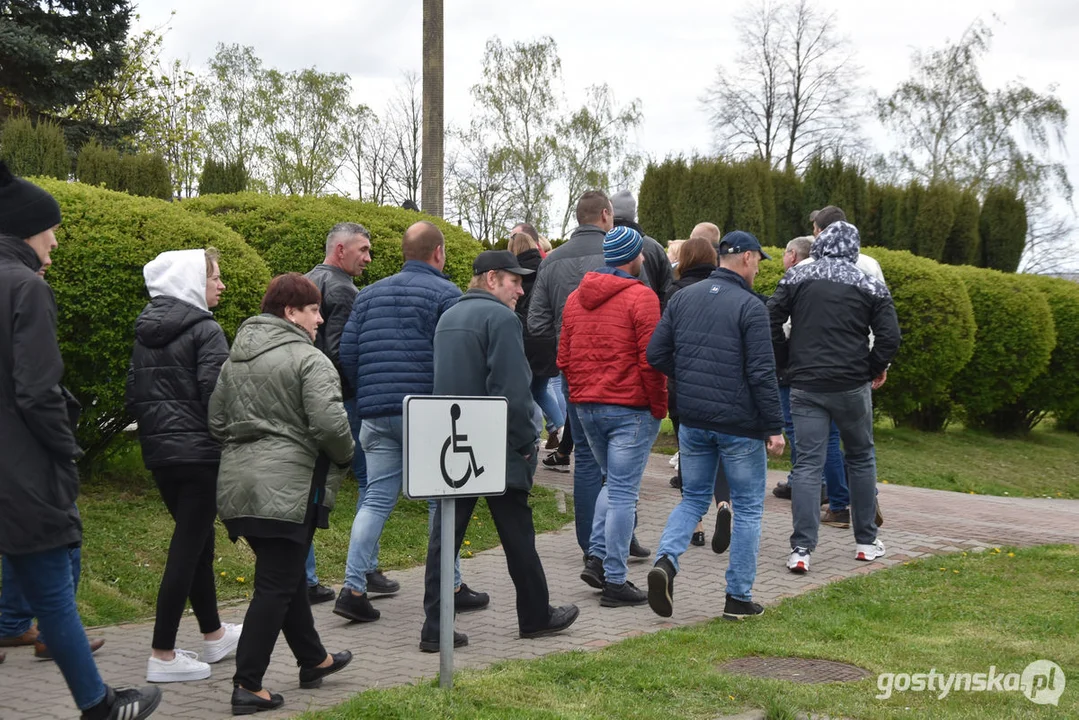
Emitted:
pixel 708 231
pixel 423 241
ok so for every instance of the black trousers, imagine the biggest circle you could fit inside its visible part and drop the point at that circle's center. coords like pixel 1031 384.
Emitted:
pixel 190 494
pixel 513 521
pixel 279 604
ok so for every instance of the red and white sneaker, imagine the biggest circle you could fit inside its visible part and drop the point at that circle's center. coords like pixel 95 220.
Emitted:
pixel 870 552
pixel 798 562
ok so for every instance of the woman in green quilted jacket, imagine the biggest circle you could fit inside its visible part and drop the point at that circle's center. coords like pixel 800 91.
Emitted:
pixel 278 412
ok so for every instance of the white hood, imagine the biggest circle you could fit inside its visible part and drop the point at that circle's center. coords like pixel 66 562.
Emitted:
pixel 180 274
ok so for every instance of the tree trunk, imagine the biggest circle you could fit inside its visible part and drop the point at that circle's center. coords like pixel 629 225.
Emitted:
pixel 433 136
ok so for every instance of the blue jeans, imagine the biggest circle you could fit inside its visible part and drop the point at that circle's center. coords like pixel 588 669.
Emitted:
pixel 548 404
pixel 621 438
pixel 47 582
pixel 359 469
pixel 587 477
pixel 746 466
pixel 835 472
pixel 554 386
pixel 16 617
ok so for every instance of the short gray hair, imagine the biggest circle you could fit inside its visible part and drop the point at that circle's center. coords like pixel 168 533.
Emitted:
pixel 800 246
pixel 343 232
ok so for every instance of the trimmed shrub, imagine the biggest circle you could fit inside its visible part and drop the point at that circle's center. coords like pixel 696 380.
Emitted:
pixel 934 220
pixel 937 323
pixel 654 202
pixel 37 150
pixel 104 241
pixel 906 217
pixel 1056 390
pixel 771 272
pixel 1012 347
pixel 100 166
pixel 290 232
pixel 964 241
pixel 1003 229
pixel 891 204
pixel 747 208
pixel 220 178
pixel 147 175
pixel 790 222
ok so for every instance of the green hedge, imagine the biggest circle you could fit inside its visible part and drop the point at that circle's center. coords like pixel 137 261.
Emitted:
pixel 771 272
pixel 1003 229
pixel 1056 390
pixel 31 148
pixel 290 232
pixel 143 174
pixel 1012 347
pixel 105 239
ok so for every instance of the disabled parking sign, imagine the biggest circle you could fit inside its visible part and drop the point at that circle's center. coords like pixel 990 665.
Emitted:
pixel 454 446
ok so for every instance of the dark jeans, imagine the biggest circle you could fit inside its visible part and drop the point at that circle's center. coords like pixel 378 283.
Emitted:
pixel 813 414
pixel 835 472
pixel 587 477
pixel 280 604
pixel 16 616
pixel 513 521
pixel 190 494
pixel 46 581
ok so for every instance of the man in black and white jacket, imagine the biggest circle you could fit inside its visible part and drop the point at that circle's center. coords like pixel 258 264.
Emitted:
pixel 833 306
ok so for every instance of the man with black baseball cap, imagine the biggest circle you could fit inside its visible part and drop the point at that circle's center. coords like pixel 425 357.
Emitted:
pixel 39 480
pixel 479 351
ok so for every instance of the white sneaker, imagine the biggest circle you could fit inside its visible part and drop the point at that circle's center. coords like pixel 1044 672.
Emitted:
pixel 798 562
pixel 870 552
pixel 182 668
pixel 217 650
pixel 673 462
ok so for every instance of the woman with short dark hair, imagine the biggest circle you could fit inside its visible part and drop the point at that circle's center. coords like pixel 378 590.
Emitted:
pixel 278 411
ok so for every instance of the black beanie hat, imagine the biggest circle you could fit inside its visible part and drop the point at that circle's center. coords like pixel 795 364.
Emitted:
pixel 25 209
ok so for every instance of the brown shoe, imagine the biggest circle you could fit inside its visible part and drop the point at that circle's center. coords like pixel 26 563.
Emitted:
pixel 41 652
pixel 878 516
pixel 840 519
pixel 27 638
pixel 3 657
pixel 553 440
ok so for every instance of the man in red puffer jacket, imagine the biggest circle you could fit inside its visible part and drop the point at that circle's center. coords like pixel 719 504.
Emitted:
pixel 620 399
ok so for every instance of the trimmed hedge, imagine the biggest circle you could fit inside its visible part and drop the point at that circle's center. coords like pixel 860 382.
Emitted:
pixel 1003 229
pixel 1012 347
pixel 290 232
pixel 31 148
pixel 1056 390
pixel 105 239
pixel 771 272
pixel 144 174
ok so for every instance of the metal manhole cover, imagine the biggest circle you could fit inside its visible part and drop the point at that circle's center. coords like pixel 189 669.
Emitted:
pixel 795 669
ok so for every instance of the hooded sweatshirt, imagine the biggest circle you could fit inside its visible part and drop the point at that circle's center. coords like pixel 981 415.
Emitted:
pixel 833 306
pixel 179 349
pixel 606 326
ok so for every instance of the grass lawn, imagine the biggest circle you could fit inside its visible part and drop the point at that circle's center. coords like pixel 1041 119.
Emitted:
pixel 128 529
pixel 1045 463
pixel 954 614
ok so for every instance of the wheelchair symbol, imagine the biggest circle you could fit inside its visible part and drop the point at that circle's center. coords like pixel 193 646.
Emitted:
pixel 454 439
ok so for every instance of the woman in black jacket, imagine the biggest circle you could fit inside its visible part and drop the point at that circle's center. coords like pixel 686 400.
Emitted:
pixel 179 350
pixel 696 261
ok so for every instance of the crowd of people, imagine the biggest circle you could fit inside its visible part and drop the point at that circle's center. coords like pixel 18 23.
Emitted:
pixel 599 340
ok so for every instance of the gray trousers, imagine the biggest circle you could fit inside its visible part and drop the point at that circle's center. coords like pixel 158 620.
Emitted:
pixel 813 414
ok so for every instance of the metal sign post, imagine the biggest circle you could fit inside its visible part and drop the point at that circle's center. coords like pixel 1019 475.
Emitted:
pixel 453 447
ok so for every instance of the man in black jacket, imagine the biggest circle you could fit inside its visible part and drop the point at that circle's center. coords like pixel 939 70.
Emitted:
pixel 656 273
pixel 348 253
pixel 833 306
pixel 38 478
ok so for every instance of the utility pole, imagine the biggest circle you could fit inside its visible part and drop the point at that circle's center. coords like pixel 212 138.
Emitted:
pixel 433 127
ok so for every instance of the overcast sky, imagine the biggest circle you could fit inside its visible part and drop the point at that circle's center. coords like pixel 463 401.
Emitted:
pixel 663 53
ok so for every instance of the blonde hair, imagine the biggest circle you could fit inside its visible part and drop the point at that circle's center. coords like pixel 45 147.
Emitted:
pixel 545 244
pixel 674 248
pixel 213 256
pixel 696 251
pixel 520 242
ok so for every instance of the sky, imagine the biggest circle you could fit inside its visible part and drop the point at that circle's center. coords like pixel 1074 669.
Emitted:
pixel 666 54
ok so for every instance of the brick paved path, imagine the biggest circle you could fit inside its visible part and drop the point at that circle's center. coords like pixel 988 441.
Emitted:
pixel 917 522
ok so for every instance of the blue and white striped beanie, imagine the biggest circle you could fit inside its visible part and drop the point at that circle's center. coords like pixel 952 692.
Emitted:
pixel 621 245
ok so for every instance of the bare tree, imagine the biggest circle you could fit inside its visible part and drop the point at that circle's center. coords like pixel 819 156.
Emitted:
pixel 404 122
pixel 478 190
pixel 792 89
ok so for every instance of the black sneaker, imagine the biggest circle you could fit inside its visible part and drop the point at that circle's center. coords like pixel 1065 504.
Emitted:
pixel 676 482
pixel 625 595
pixel 432 646
pixel 560 619
pixel 245 702
pixel 379 584
pixel 721 538
pixel 782 490
pixel 319 594
pixel 311 678
pixel 593 572
pixel 557 462
pixel 661 587
pixel 738 609
pixel 126 704
pixel 637 550
pixel 697 538
pixel 356 608
pixel 467 600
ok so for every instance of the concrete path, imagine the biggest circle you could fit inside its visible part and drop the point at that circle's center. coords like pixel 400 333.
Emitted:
pixel 917 522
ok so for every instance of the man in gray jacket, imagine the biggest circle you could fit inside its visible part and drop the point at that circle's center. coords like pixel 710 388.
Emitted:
pixel 479 351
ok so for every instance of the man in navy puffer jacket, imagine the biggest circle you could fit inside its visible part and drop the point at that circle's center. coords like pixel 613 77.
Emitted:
pixel 387 349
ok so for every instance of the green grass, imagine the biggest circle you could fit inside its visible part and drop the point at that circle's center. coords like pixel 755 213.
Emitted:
pixel 1042 464
pixel 954 614
pixel 127 533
